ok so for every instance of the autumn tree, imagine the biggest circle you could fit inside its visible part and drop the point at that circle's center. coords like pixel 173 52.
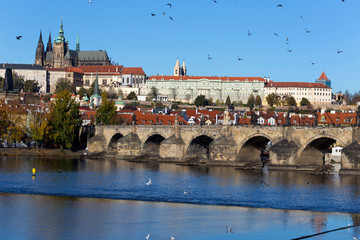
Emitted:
pixel 257 100
pixel 37 126
pixel 63 84
pixel 64 120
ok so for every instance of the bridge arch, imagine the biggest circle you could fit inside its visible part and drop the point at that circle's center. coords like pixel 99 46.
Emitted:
pixel 112 146
pixel 313 152
pixel 199 147
pixel 250 148
pixel 151 146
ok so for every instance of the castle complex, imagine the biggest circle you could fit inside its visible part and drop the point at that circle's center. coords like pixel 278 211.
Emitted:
pixel 58 54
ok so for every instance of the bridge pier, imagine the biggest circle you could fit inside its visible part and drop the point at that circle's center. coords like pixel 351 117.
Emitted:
pixel 350 158
pixel 283 153
pixel 172 148
pixel 223 149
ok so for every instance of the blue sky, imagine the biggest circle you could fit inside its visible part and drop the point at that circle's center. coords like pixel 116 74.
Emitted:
pixel 133 38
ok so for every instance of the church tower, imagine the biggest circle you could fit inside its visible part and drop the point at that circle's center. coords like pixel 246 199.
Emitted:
pixel 183 69
pixel 39 57
pixel 60 48
pixel 177 69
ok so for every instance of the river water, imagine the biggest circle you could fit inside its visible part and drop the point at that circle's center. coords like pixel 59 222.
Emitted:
pixel 109 199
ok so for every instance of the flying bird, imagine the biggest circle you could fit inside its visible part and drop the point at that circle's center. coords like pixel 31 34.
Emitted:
pixel 209 57
pixel 301 17
pixel 249 33
pixel 149 182
pixel 153 14
pixel 169 4
pixel 307 31
pixel 289 50
pixel 279 5
pixel 172 238
pixel 229 229
pixel 147 237
pixel 239 59
pixel 339 51
pixel 18 37
pixel 215 1
pixel 90 1
pixel 287 40
pixel 276 34
pixel 171 18
pixel 355 238
pixel 312 63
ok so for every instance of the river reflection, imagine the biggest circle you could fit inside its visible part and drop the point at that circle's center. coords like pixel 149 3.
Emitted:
pixel 115 179
pixel 51 217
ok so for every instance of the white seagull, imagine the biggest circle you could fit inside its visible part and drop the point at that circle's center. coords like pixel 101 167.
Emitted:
pixel 147 237
pixel 229 229
pixel 185 192
pixel 172 238
pixel 149 182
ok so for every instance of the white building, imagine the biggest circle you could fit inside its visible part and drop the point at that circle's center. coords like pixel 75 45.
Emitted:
pixel 29 72
pixel 316 93
pixel 187 88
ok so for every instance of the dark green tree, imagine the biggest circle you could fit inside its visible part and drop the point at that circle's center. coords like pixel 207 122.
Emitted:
pixel 106 111
pixel 31 86
pixel 257 100
pixel 304 102
pixel 131 96
pixel 201 101
pixel 290 101
pixel 228 101
pixel 82 91
pixel 18 81
pixel 251 101
pixel 272 99
pixel 63 84
pixel 64 121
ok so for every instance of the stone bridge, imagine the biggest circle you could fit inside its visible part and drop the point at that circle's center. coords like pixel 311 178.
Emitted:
pixel 299 147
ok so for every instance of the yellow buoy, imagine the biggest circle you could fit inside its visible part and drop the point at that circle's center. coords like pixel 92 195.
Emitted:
pixel 34 172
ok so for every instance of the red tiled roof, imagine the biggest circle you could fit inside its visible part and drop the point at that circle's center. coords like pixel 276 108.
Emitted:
pixel 296 84
pixel 323 77
pixel 74 69
pixel 337 118
pixel 132 70
pixel 241 79
pixel 101 68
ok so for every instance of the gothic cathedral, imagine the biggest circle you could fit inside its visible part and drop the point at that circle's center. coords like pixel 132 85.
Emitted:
pixel 58 54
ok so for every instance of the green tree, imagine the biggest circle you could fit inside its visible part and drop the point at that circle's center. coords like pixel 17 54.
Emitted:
pixel 159 105
pixel 131 96
pixel 228 101
pixel 63 84
pixel 64 120
pixel 201 101
pixel 272 99
pixel 251 101
pixel 1 82
pixel 257 100
pixel 90 90
pixel 106 111
pixel 174 106
pixel 290 101
pixel 82 91
pixel 304 102
pixel 31 86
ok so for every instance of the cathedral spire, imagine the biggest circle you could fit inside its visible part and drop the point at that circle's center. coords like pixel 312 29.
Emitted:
pixel 183 68
pixel 177 69
pixel 96 86
pixel 40 37
pixel 78 44
pixel 49 44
